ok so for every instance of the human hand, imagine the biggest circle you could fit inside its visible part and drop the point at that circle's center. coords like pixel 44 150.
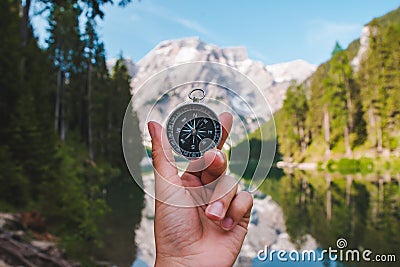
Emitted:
pixel 206 235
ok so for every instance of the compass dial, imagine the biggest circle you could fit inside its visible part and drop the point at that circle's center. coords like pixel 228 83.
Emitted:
pixel 192 129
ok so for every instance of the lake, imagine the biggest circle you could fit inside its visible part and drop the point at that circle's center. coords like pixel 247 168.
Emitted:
pixel 362 209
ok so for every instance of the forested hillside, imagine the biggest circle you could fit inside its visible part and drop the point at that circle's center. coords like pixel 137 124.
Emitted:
pixel 346 111
pixel 61 112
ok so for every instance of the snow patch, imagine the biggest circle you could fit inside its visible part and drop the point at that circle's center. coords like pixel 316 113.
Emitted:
pixel 298 70
pixel 186 54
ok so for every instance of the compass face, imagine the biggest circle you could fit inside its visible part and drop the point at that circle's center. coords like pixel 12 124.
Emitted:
pixel 192 129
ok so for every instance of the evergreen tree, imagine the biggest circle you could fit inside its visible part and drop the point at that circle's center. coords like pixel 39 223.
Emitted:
pixel 91 43
pixel 341 97
pixel 36 172
pixel 118 98
pixel 291 120
pixel 391 86
pixel 29 143
pixel 65 47
pixel 314 117
pixel 379 80
pixel 9 59
pixel 13 181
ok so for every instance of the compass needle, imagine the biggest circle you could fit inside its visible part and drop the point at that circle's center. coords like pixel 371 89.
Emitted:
pixel 194 120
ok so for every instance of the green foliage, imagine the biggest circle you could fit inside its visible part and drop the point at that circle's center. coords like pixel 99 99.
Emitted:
pixel 395 164
pixel 393 17
pixel 266 131
pixel 291 121
pixel 363 165
pixel 334 206
pixel 73 201
pixel 61 115
pixel 10 57
pixel 348 166
pixel 352 49
pixel 341 110
pixel 13 182
pixel 379 77
pixel 366 165
pixel 260 155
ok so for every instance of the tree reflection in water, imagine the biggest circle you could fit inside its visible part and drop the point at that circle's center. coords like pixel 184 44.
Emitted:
pixel 362 209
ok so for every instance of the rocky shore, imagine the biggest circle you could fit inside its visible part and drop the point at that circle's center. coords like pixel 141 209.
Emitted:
pixel 267 228
pixel 21 245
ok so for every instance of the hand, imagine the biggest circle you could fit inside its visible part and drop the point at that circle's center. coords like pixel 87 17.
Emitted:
pixel 205 235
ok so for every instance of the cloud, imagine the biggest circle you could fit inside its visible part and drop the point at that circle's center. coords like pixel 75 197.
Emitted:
pixel 192 25
pixel 323 32
pixel 166 14
pixel 255 54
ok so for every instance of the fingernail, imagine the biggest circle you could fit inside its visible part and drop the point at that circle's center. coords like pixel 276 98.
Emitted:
pixel 150 126
pixel 216 209
pixel 227 223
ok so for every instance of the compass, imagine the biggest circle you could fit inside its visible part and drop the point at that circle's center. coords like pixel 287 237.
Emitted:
pixel 193 128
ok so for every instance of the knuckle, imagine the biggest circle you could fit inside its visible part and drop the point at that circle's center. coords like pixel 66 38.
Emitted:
pixel 155 154
pixel 245 201
pixel 241 208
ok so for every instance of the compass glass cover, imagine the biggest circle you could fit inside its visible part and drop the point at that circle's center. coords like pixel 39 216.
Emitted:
pixel 192 129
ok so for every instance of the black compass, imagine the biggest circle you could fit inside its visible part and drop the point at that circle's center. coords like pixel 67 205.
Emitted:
pixel 193 128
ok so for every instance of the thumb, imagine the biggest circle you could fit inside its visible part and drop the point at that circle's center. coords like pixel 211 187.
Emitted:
pixel 168 185
pixel 163 160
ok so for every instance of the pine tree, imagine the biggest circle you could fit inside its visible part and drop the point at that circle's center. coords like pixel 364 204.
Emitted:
pixel 340 96
pixel 97 86
pixel 391 87
pixel 10 56
pixel 317 120
pixel 90 42
pixel 291 121
pixel 65 47
pixel 375 82
pixel 118 99
pixel 29 142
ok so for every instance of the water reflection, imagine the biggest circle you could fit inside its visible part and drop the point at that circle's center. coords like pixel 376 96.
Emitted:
pixel 362 209
pixel 126 201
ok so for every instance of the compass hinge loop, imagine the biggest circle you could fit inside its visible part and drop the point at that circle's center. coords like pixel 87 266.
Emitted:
pixel 196 98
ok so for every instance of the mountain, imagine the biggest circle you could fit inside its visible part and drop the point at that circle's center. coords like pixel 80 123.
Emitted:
pixel 272 80
pixel 297 70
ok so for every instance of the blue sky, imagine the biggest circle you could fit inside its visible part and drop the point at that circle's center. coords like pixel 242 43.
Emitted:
pixel 273 31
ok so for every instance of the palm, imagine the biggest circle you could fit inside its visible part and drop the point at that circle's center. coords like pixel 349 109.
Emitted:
pixel 197 238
